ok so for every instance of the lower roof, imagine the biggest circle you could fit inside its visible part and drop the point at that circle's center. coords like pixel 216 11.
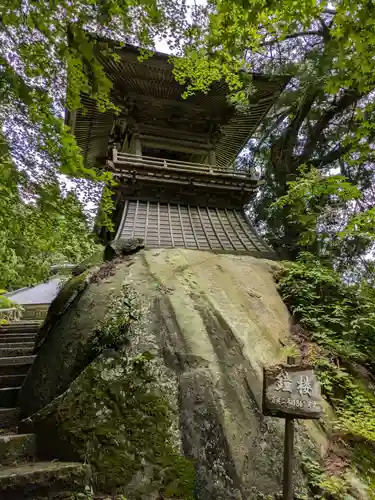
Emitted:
pixel 164 225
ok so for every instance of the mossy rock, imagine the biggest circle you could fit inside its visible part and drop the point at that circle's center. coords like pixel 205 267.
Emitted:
pixel 68 293
pixel 66 342
pixel 211 323
pixel 115 418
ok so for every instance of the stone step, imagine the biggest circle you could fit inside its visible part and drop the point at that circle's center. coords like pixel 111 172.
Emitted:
pixel 21 326
pixel 17 332
pixel 16 345
pixel 38 479
pixel 14 370
pixel 9 352
pixel 4 339
pixel 9 396
pixel 12 380
pixel 16 360
pixel 16 365
pixel 8 417
pixel 16 447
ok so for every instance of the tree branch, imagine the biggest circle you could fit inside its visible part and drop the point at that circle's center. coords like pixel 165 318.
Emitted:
pixel 325 30
pixel 330 157
pixel 282 149
pixel 294 35
pixel 348 98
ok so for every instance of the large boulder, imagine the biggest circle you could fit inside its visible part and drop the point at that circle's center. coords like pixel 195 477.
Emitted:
pixel 157 365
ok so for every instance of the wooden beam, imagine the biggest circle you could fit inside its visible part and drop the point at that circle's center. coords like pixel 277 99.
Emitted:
pixel 174 144
pixel 185 104
pixel 173 133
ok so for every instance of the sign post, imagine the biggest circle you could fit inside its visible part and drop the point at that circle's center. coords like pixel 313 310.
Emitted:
pixel 290 391
pixel 288 493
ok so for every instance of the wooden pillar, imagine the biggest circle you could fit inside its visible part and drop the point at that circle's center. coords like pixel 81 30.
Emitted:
pixel 212 157
pixel 138 146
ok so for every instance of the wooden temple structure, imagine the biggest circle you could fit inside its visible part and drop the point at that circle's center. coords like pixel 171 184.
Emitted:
pixel 174 158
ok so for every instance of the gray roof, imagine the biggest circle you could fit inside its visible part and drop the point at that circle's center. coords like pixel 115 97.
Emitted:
pixel 158 96
pixel 164 225
pixel 44 293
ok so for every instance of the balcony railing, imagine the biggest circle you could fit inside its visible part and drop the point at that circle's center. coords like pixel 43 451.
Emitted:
pixel 10 314
pixel 165 165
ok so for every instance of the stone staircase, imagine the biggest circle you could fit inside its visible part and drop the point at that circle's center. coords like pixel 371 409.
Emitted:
pixel 22 476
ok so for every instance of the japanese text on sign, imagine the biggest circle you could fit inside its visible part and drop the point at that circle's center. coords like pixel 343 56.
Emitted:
pixel 285 383
pixel 291 391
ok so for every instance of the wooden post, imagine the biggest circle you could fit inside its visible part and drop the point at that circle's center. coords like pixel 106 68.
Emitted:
pixel 288 493
pixel 138 146
pixel 212 157
pixel 290 391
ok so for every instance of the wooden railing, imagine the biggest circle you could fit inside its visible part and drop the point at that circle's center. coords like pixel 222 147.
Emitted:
pixel 10 314
pixel 175 165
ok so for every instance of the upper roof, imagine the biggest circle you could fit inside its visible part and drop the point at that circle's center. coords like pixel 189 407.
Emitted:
pixel 151 87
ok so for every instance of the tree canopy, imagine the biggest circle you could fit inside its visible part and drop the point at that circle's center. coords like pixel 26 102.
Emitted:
pixel 48 56
pixel 36 233
pixel 315 149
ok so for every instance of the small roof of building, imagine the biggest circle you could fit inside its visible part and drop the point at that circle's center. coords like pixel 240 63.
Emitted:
pixel 164 225
pixel 154 97
pixel 44 293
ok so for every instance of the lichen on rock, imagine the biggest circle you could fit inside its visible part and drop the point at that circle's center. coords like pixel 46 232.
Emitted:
pixel 157 377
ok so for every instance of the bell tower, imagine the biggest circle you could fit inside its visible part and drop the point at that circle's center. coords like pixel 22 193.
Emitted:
pixel 174 159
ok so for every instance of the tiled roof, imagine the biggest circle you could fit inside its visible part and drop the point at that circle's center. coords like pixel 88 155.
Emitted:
pixel 159 95
pixel 164 225
pixel 44 293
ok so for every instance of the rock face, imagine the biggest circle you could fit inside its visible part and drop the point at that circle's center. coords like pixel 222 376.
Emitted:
pixel 153 374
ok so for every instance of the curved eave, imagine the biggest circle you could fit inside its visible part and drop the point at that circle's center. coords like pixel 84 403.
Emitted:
pixel 168 225
pixel 154 79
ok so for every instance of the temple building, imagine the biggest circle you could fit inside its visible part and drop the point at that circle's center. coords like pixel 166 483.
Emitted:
pixel 174 158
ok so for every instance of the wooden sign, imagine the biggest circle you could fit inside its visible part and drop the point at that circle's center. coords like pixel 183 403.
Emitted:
pixel 291 391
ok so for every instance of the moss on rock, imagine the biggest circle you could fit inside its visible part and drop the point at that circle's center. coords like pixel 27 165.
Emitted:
pixel 68 293
pixel 70 333
pixel 178 340
pixel 115 418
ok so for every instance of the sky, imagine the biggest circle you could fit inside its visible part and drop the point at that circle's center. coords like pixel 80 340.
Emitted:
pixel 162 45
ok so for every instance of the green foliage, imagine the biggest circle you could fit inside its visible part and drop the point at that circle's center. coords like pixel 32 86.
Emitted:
pixel 340 318
pixel 324 120
pixel 39 226
pixel 51 53
pixel 324 485
pixel 351 399
pixel 254 26
pixel 5 303
pixel 113 330
pixel 119 423
pixel 307 200
pixel 50 56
